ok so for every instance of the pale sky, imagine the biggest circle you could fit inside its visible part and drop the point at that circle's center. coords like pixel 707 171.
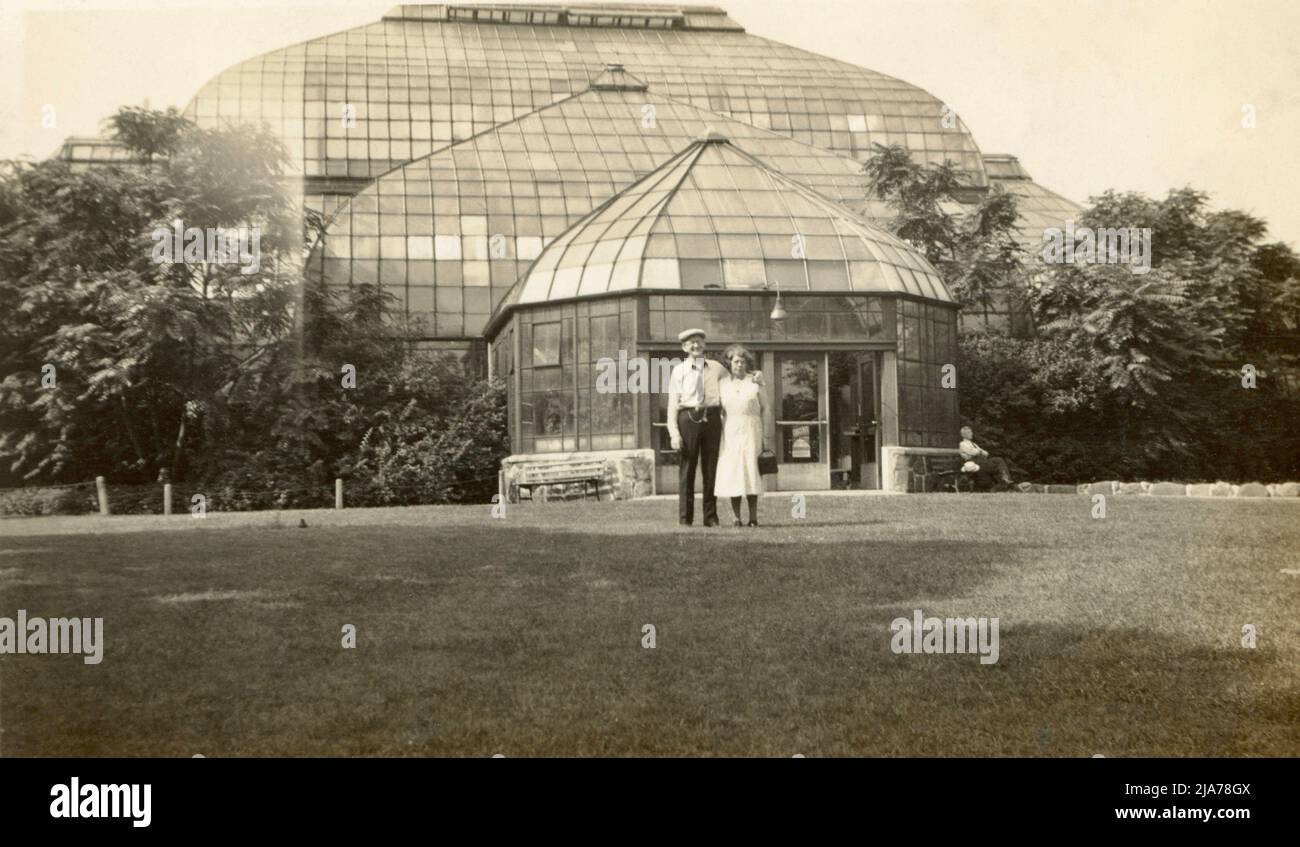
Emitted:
pixel 1141 95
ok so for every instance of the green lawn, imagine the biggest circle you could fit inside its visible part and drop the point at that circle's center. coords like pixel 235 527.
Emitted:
pixel 523 636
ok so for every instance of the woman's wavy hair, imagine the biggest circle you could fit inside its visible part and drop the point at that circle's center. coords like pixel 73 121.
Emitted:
pixel 738 350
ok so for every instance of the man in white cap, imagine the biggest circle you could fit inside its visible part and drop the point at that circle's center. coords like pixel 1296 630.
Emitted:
pixel 695 424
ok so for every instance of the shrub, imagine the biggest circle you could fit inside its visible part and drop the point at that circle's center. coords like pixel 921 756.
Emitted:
pixel 449 458
pixel 35 501
pixel 1045 404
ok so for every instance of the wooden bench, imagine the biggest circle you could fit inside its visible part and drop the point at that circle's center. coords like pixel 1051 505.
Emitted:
pixel 590 473
pixel 947 474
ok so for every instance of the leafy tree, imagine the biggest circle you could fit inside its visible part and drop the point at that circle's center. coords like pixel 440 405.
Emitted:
pixel 975 249
pixel 203 370
pixel 148 133
pixel 137 347
pixel 1172 341
pixel 1130 375
pixel 1041 401
pixel 410 428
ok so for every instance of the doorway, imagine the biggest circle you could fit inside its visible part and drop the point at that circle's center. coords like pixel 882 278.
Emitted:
pixel 800 412
pixel 854 379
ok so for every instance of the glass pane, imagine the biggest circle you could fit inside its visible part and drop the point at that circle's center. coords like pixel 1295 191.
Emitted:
pixel 701 273
pixel 741 273
pixel 604 337
pixel 799 389
pixel 604 413
pixel 546 344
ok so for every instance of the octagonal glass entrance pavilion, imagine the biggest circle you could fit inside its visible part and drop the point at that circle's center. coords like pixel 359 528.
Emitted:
pixel 711 238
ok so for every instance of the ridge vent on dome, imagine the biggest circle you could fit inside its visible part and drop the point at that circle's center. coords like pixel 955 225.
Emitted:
pixel 641 16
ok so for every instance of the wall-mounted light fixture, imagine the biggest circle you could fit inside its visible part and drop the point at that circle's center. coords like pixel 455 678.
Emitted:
pixel 778 312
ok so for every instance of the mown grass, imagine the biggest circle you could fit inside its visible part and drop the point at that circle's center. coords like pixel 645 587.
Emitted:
pixel 523 636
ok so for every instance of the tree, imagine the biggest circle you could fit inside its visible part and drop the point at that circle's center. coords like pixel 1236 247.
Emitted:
pixel 1171 341
pixel 138 348
pixel 975 249
pixel 148 133
pixel 1131 375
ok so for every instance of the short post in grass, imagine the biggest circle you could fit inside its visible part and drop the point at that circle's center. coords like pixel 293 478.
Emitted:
pixel 102 491
pixel 167 498
pixel 338 493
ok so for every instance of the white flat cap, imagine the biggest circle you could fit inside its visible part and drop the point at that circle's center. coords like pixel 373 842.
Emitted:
pixel 688 333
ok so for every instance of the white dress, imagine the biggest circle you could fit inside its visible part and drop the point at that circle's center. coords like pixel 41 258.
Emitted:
pixel 742 436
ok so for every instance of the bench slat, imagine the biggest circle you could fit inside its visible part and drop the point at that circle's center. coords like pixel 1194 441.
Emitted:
pixel 559 479
pixel 563 472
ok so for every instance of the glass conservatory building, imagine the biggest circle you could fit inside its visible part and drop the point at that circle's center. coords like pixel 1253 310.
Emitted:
pixel 544 186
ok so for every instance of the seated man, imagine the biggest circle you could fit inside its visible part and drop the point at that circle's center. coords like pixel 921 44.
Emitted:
pixel 989 468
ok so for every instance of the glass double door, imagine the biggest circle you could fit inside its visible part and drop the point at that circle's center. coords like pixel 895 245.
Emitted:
pixel 827 413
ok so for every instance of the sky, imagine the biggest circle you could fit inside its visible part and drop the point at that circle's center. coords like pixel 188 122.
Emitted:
pixel 1140 95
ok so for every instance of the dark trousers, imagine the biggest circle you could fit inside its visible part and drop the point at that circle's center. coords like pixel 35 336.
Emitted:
pixel 993 472
pixel 701 443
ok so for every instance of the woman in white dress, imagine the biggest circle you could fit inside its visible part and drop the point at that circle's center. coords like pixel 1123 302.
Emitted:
pixel 742 435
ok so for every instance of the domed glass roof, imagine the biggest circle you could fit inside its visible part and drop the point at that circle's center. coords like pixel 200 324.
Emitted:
pixel 450 233
pixel 426 75
pixel 448 144
pixel 1039 207
pixel 716 217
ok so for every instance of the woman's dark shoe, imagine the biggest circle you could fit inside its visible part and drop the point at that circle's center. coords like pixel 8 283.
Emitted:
pixel 736 522
pixel 752 522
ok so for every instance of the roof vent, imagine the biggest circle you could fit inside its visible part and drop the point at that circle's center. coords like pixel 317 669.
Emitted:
pixel 641 16
pixel 616 78
pixel 712 136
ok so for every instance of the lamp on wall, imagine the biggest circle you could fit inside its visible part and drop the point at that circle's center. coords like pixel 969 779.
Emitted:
pixel 778 312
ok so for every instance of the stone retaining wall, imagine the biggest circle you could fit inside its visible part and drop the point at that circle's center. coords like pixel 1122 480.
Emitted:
pixel 1195 489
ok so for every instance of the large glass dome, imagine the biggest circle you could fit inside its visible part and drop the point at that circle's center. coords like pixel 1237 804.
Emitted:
pixel 450 233
pixel 447 145
pixel 716 217
pixel 427 75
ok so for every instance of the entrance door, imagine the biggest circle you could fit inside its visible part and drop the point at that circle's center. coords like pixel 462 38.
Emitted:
pixel 802 448
pixel 846 452
pixel 854 401
pixel 867 402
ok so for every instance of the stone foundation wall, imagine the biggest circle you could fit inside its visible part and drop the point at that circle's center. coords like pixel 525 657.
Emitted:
pixel 1196 489
pixel 628 474
pixel 915 469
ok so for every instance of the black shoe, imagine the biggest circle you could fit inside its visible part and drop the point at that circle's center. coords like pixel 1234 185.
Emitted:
pixel 710 521
pixel 737 522
pixel 686 521
pixel 752 522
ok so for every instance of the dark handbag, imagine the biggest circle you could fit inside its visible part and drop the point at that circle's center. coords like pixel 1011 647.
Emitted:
pixel 766 462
